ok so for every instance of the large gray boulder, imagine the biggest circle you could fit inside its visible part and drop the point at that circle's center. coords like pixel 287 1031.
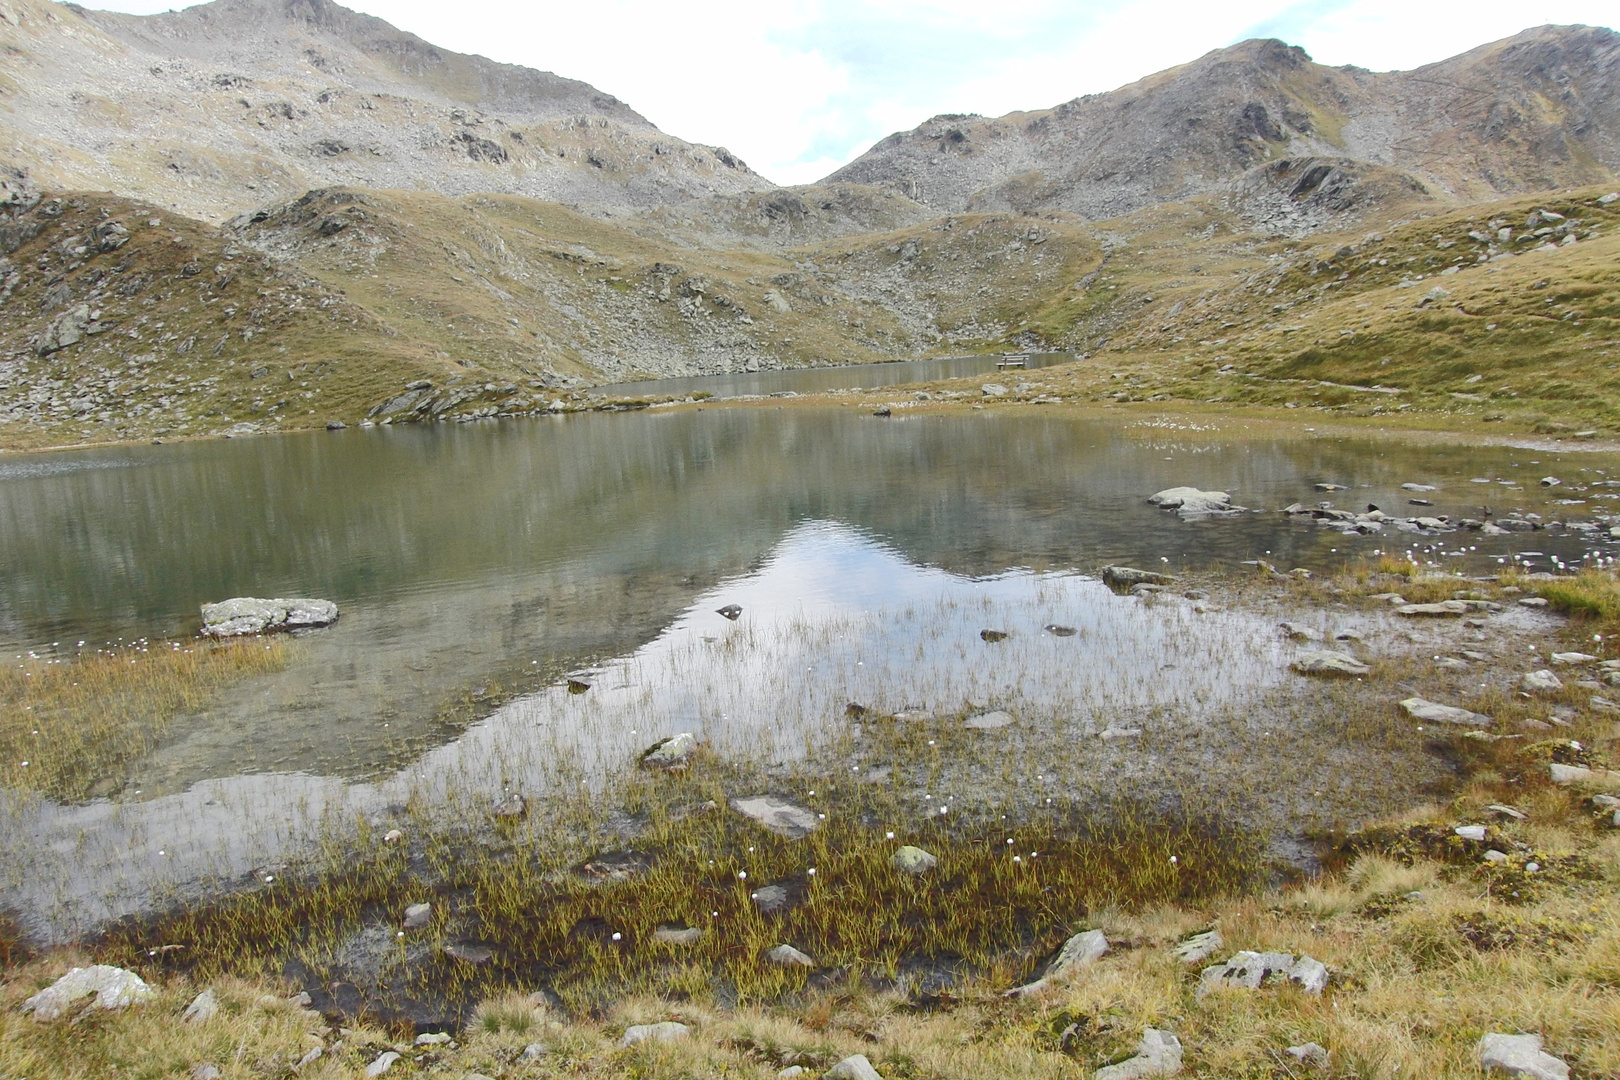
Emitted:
pixel 245 615
pixel 66 329
pixel 1519 1055
pixel 1158 1054
pixel 113 987
pixel 1191 502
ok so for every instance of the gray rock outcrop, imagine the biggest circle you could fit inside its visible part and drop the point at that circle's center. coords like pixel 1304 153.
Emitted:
pixel 113 987
pixel 246 615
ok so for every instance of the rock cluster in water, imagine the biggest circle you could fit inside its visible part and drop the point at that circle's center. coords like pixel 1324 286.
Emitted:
pixel 244 615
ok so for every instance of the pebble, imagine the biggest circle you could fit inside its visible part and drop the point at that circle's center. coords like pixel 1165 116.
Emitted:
pixel 667 1031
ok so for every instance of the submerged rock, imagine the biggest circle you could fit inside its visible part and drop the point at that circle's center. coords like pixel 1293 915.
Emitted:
pixel 667 1031
pixel 1057 630
pixel 1191 502
pixel 1519 1055
pixel 771 899
pixel 1327 662
pixel 245 615
pixel 730 611
pixel 1434 713
pixel 114 988
pixel 777 815
pixel 1121 578
pixel 1158 1054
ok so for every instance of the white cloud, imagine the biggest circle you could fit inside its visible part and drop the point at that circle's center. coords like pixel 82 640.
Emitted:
pixel 800 86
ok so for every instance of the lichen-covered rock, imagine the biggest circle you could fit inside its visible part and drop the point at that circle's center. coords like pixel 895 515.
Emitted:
pixel 913 860
pixel 244 615
pixel 673 753
pixel 113 987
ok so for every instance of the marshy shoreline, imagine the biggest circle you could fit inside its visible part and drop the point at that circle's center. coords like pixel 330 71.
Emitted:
pixel 552 916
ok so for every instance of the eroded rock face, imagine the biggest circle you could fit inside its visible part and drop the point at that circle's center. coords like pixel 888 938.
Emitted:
pixel 245 615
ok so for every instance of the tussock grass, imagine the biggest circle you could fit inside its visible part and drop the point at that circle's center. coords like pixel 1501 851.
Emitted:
pixel 66 724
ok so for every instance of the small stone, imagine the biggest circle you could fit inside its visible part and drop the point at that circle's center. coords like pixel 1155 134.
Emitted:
pixel 311 1056
pixel 433 1038
pixel 1121 578
pixel 678 935
pixel 1550 481
pixel 203 1008
pixel 1199 947
pixel 533 1052
pixel 1508 812
pixel 1470 832
pixel 1519 1055
pixel 1113 732
pixel 1327 662
pixel 1057 630
pixel 1080 951
pixel 855 1067
pixel 1310 1054
pixel 730 611
pixel 205 1071
pixel 383 1063
pixel 989 721
pixel 1533 601
pixel 1158 1054
pixel 417 916
pixel 1435 713
pixel 113 987
pixel 1299 631
pixel 335 425
pixel 393 836
pixel 675 752
pixel 1572 658
pixel 791 1071
pixel 1443 609
pixel 1494 856
pixel 1544 679
pixel 777 815
pixel 509 808
pixel 1576 774
pixel 913 860
pixel 993 635
pixel 667 1031
pixel 787 956
pixel 468 953
pixel 1310 974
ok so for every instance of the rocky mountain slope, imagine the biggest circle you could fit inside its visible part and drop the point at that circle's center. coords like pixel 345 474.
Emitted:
pixel 1539 110
pixel 241 103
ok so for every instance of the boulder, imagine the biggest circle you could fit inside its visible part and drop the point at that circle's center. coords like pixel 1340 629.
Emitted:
pixel 777 815
pixel 1519 1055
pixel 1327 662
pixel 1199 947
pixel 1121 578
pixel 668 1031
pixel 913 860
pixel 249 615
pixel 1434 713
pixel 675 752
pixel 786 955
pixel 113 987
pixel 1158 1054
pixel 66 329
pixel 1544 679
pixel 1191 502
pixel 854 1067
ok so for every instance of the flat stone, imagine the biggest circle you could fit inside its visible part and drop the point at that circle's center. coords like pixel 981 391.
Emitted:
pixel 1158 1054
pixel 788 956
pixel 1576 774
pixel 1533 601
pixel 770 899
pixel 678 935
pixel 113 987
pixel 1544 679
pixel 417 916
pixel 1417 487
pixel 1443 609
pixel 468 953
pixel 854 1067
pixel 1330 663
pixel 1191 502
pixel 1434 713
pixel 667 1031
pixel 1058 630
pixel 1508 811
pixel 1470 832
pixel 1244 971
pixel 1113 732
pixel 777 815
pixel 913 860
pixel 1519 1055
pixel 1572 658
pixel 1123 577
pixel 383 1063
pixel 989 721
pixel 675 752
pixel 1199 947
pixel 1494 856
pixel 434 1038
pixel 203 1008
pixel 249 615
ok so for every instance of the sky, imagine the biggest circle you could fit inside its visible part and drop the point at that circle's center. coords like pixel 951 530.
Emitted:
pixel 799 87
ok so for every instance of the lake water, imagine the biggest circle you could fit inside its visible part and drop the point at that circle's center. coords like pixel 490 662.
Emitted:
pixel 477 562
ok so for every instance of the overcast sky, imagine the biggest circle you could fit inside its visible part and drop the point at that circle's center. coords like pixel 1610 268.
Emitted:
pixel 799 87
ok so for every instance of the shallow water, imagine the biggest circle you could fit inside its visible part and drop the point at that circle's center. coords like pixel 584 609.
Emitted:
pixel 866 554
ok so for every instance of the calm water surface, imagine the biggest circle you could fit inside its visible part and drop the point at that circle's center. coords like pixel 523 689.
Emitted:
pixel 866 554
